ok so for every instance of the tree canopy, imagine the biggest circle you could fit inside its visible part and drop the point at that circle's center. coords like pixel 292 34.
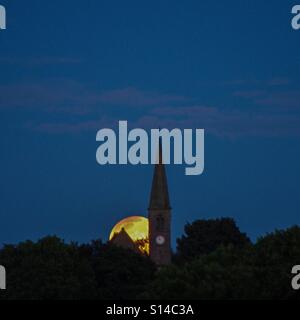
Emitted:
pixel 205 236
pixel 51 269
pixel 259 271
pixel 217 261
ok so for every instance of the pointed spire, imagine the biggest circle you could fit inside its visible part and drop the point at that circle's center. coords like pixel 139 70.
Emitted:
pixel 159 198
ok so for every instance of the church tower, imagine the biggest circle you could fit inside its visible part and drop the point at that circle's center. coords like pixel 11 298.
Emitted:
pixel 159 215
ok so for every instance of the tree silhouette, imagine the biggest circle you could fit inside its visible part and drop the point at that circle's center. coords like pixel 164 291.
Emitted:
pixel 205 236
pixel 120 273
pixel 261 271
pixel 220 263
pixel 51 269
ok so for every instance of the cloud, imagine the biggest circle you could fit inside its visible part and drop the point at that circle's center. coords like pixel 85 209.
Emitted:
pixel 74 127
pixel 58 128
pixel 248 94
pixel 48 97
pixel 39 61
pixel 275 82
pixel 87 109
pixel 230 124
pixel 134 97
pixel 277 95
pixel 285 100
pixel 279 99
pixel 271 82
pixel 76 98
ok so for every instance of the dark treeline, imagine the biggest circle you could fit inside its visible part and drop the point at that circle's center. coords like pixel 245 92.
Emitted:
pixel 214 260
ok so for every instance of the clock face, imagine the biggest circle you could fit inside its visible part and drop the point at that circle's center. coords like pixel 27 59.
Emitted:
pixel 160 240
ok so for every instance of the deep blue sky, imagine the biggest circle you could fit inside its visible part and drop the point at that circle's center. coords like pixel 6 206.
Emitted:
pixel 70 68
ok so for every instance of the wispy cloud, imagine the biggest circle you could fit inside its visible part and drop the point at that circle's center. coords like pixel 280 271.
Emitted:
pixel 279 99
pixel 76 98
pixel 285 100
pixel 71 127
pixel 39 61
pixel 275 95
pixel 232 123
pixel 270 82
pixel 227 124
pixel 249 93
pixel 279 81
pixel 273 112
pixel 134 97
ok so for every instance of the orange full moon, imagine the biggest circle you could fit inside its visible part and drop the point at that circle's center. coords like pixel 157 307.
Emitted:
pixel 137 229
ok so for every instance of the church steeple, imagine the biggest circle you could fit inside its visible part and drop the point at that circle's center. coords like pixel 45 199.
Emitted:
pixel 159 214
pixel 159 198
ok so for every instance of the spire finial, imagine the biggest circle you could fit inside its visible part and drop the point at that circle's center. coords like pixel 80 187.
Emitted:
pixel 159 198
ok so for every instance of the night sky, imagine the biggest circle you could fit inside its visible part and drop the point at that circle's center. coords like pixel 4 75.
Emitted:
pixel 70 68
